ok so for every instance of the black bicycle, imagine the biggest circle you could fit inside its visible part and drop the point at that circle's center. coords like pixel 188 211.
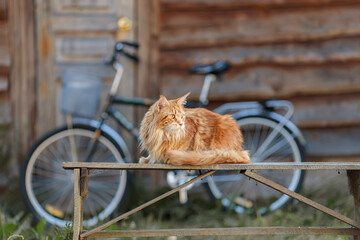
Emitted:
pixel 269 135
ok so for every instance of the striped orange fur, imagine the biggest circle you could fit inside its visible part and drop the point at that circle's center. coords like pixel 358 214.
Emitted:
pixel 177 135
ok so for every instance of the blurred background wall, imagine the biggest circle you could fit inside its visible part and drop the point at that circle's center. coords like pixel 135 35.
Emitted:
pixel 305 51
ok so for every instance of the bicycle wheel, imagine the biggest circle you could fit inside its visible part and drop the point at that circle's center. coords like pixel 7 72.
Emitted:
pixel 48 189
pixel 244 195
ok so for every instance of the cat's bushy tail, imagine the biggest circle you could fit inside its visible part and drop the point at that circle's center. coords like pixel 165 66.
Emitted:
pixel 208 157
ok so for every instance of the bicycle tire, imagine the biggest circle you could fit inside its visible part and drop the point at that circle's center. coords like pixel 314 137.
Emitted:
pixel 247 195
pixel 49 194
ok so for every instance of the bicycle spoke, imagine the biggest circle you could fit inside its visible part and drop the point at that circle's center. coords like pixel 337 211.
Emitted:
pixel 267 141
pixel 44 164
pixel 270 137
pixel 65 149
pixel 276 147
pixel 55 154
pixel 255 140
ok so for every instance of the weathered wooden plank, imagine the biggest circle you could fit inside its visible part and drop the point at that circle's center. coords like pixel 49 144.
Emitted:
pixel 149 31
pixel 4 47
pixel 285 54
pixel 332 141
pixel 46 103
pixel 21 30
pixel 78 206
pixel 81 5
pixel 85 22
pixel 121 8
pixel 3 14
pixel 190 5
pixel 268 82
pixel 83 49
pixel 84 181
pixel 243 231
pixel 329 111
pixel 198 28
pixel 252 166
pixel 96 68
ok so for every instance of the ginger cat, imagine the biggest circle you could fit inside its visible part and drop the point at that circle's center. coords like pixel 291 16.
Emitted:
pixel 177 135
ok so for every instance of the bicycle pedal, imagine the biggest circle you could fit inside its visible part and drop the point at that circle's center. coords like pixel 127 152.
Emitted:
pixel 183 196
pixel 54 211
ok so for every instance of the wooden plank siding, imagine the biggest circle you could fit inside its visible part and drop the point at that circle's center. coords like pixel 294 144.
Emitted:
pixel 22 74
pixel 304 51
pixel 4 66
pixel 5 114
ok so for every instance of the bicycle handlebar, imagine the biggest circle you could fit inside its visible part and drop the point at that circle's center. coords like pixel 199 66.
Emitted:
pixel 119 50
pixel 130 44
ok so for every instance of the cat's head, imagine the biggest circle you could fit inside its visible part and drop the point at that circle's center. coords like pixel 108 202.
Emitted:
pixel 170 114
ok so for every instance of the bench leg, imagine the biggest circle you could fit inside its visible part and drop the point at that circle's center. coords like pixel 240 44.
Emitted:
pixel 78 200
pixel 354 186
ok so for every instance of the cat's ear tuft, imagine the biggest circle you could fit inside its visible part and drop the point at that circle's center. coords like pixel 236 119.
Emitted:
pixel 162 102
pixel 182 100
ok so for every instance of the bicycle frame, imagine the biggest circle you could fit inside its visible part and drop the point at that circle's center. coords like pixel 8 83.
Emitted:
pixel 235 108
pixel 121 119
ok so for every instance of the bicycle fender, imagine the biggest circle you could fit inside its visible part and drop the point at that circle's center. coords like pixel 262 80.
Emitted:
pixel 109 131
pixel 271 115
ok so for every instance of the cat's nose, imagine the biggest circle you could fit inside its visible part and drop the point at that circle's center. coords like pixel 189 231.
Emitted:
pixel 181 124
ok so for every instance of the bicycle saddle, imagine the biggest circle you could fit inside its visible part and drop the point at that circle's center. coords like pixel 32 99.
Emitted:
pixel 216 68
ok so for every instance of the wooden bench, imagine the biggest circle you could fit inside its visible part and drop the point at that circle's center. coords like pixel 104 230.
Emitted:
pixel 81 173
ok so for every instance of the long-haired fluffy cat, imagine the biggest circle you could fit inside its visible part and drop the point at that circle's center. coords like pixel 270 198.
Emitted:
pixel 177 135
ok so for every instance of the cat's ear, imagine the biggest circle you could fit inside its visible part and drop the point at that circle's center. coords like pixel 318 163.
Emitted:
pixel 182 100
pixel 162 102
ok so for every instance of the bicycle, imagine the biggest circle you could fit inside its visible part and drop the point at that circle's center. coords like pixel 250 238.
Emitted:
pixel 47 188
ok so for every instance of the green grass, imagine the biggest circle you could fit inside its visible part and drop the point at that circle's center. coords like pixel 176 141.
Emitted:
pixel 21 226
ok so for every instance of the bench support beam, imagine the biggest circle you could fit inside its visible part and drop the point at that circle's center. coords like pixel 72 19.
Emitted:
pixel 84 181
pixel 78 205
pixel 241 231
pixel 299 197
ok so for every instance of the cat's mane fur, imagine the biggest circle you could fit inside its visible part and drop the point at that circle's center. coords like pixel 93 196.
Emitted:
pixel 177 135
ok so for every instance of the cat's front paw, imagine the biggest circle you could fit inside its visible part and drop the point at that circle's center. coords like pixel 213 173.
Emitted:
pixel 144 160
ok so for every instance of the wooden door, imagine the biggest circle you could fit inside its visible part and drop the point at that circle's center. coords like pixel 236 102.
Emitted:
pixel 77 34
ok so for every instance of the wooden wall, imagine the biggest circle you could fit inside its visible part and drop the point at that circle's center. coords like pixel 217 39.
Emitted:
pixel 4 65
pixel 305 51
pixel 5 116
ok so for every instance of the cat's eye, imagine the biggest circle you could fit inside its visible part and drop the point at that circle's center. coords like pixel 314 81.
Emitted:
pixel 172 116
